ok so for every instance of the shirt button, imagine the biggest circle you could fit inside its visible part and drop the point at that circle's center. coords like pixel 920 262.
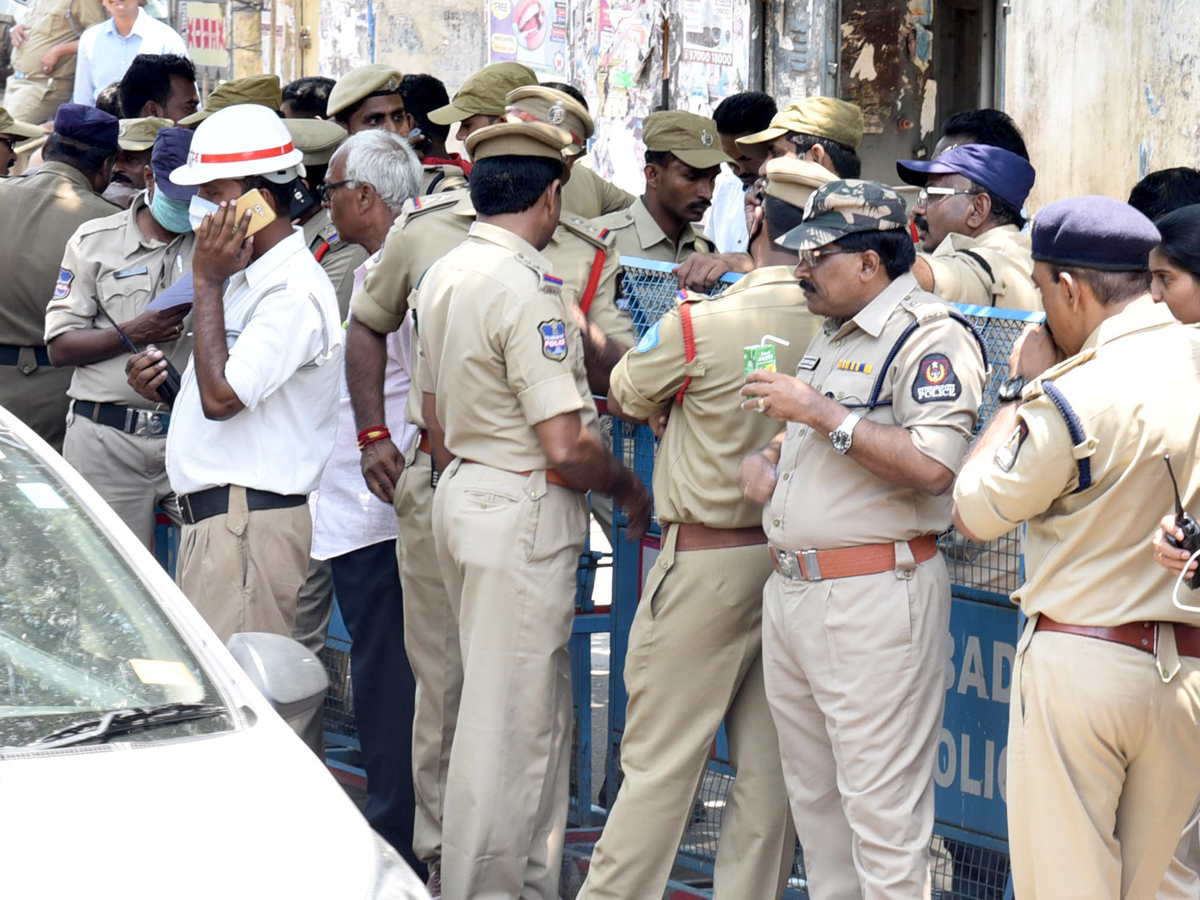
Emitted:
pixel 662 564
pixel 816 387
pixel 838 342
pixel 787 476
pixel 776 523
pixel 840 395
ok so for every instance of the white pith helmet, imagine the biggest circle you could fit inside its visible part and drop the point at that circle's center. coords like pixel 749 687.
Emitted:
pixel 240 141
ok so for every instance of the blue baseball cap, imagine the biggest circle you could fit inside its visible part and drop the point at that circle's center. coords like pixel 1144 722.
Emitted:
pixel 87 125
pixel 1002 172
pixel 170 152
pixel 1094 233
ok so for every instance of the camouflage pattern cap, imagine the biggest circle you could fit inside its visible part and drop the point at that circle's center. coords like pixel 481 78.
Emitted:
pixel 688 136
pixel 846 207
pixel 484 93
pixel 9 125
pixel 360 83
pixel 263 90
pixel 135 135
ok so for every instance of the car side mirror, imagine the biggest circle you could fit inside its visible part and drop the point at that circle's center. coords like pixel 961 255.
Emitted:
pixel 284 671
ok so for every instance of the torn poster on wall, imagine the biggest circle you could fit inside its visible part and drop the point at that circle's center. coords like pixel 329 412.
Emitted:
pixel 708 31
pixel 532 32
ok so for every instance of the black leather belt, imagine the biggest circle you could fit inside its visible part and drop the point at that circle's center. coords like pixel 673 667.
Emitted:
pixel 10 355
pixel 215 502
pixel 124 418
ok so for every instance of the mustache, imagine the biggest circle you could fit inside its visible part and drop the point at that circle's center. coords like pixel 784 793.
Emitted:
pixel 921 223
pixel 808 286
pixel 118 178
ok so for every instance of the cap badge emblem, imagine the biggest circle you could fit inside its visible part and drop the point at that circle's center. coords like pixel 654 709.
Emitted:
pixel 706 137
pixel 556 114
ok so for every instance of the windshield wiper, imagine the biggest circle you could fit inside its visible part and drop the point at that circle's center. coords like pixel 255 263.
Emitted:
pixel 123 721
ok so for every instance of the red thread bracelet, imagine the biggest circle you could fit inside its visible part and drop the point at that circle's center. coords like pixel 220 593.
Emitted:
pixel 372 434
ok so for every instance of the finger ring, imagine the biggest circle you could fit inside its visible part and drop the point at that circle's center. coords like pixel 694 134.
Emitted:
pixel 762 402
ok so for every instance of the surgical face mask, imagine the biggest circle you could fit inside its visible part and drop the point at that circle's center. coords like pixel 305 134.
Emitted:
pixel 198 209
pixel 173 215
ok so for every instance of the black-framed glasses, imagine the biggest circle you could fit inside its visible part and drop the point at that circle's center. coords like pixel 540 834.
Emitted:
pixel 930 195
pixel 325 189
pixel 811 258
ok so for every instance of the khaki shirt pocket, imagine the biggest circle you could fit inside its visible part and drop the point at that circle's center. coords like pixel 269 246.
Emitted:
pixel 125 293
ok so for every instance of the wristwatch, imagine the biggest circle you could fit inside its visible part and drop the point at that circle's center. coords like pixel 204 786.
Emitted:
pixel 1010 390
pixel 843 436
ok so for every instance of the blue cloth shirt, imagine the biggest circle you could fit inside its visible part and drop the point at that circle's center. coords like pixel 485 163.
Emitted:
pixel 104 55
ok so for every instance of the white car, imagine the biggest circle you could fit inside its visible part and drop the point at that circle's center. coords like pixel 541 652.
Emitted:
pixel 137 758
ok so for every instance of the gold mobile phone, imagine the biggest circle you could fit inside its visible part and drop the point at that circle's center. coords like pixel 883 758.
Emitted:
pixel 261 214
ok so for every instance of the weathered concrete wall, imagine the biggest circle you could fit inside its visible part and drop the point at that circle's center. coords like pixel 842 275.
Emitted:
pixel 1105 91
pixel 801 49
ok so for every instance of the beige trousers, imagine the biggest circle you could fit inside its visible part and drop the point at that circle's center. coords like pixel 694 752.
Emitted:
pixel 35 100
pixel 314 609
pixel 38 398
pixel 243 570
pixel 128 470
pixel 508 546
pixel 431 642
pixel 1182 881
pixel 855 671
pixel 695 659
pixel 1103 767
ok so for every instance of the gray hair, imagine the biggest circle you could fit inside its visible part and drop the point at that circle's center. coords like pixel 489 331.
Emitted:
pixel 385 161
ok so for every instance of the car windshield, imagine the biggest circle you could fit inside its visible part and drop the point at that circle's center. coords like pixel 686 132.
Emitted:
pixel 80 634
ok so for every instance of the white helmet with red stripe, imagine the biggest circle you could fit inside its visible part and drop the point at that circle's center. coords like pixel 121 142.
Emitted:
pixel 240 141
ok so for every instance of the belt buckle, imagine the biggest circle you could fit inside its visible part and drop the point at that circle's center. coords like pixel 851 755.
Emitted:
pixel 185 509
pixel 151 424
pixel 811 571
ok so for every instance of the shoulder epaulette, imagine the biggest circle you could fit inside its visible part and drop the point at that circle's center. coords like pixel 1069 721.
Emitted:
pixel 418 206
pixel 594 234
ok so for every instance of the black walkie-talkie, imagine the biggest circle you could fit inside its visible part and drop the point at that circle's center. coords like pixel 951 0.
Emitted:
pixel 169 389
pixel 1187 524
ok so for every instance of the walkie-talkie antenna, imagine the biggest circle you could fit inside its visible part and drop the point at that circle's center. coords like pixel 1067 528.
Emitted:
pixel 1174 486
pixel 121 333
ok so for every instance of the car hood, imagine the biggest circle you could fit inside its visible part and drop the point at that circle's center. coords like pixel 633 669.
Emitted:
pixel 249 813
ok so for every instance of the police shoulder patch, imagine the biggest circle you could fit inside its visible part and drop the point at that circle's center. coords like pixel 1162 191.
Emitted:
pixel 554 339
pixel 936 380
pixel 1006 456
pixel 649 340
pixel 63 286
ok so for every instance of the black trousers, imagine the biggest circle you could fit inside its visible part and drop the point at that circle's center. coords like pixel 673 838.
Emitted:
pixel 366 583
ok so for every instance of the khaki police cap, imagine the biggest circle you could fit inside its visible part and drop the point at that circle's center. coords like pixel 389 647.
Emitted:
pixel 690 137
pixel 317 139
pixel 261 89
pixel 823 117
pixel 536 103
pixel 359 84
pixel 135 135
pixel 9 125
pixel 794 180
pixel 520 139
pixel 484 93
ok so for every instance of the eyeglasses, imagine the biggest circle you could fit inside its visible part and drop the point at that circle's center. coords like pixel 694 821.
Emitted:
pixel 325 189
pixel 812 258
pixel 930 195
pixel 11 143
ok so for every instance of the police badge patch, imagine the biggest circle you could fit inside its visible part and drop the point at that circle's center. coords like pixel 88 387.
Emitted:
pixel 554 339
pixel 1006 456
pixel 62 287
pixel 557 114
pixel 935 380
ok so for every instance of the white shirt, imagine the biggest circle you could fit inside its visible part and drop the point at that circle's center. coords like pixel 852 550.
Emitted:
pixel 347 516
pixel 727 216
pixel 104 55
pixel 285 352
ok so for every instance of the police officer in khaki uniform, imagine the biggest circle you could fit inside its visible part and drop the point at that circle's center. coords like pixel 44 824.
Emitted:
pixel 481 99
pixel 369 97
pixel 41 212
pixel 263 90
pixel 317 139
pixel 1103 761
pixel 586 194
pixel 683 159
pixel 135 139
pixel 115 438
pixel 584 258
pixel 501 360
pixel 12 133
pixel 823 132
pixel 43 56
pixel 969 217
pixel 879 415
pixel 695 647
